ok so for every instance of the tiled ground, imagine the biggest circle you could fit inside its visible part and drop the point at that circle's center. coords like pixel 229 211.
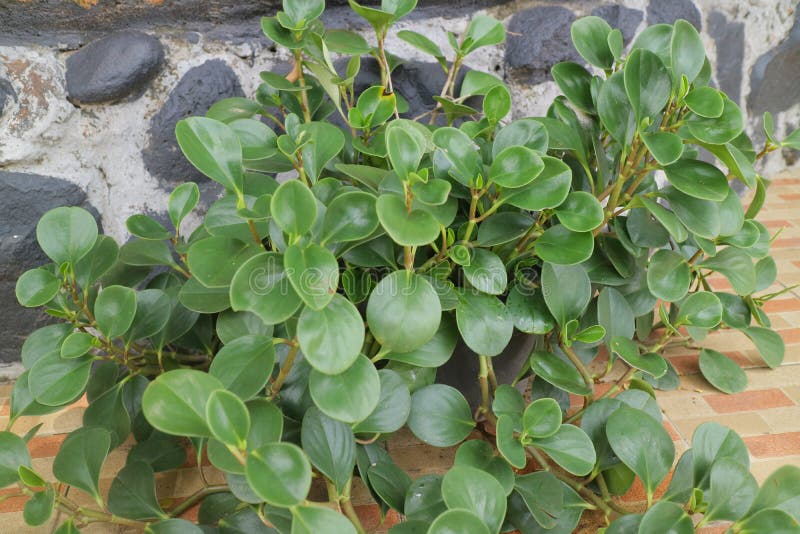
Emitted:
pixel 767 414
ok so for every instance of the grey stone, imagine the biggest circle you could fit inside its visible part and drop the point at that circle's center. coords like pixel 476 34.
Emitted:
pixel 776 75
pixel 199 88
pixel 23 199
pixel 538 39
pixel 6 93
pixel 668 11
pixel 624 18
pixel 113 67
pixel 729 38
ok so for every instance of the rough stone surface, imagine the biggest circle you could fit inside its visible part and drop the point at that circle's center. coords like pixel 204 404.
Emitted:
pixel 113 67
pixel 729 40
pixel 26 197
pixel 199 88
pixel 668 11
pixel 6 92
pixel 627 20
pixel 539 38
pixel 775 76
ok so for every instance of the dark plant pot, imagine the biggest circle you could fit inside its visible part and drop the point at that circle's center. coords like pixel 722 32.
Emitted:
pixel 461 371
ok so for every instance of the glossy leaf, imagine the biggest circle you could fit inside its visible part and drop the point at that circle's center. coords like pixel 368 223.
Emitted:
pixel 558 372
pixel 468 488
pixel 133 493
pixel 175 402
pixel 279 473
pixel 542 418
pixel 80 459
pixel 686 51
pixel 262 286
pixel 515 166
pixel 13 454
pixel 440 416
pixel 227 418
pixel 698 179
pixel 484 323
pixel 580 212
pixel 331 338
pixel 350 217
pixel 349 396
pixel 590 37
pixel 330 445
pixel 668 276
pixel 214 149
pixel 66 234
pixel 416 227
pixel 570 448
pixel 293 207
pixel 647 83
pixel 566 291
pixel 243 366
pixel 315 519
pixel 36 287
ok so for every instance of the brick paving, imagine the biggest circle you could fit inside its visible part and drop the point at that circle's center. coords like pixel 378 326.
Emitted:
pixel 766 415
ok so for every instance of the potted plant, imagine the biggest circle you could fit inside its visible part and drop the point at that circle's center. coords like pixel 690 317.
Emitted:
pixel 302 322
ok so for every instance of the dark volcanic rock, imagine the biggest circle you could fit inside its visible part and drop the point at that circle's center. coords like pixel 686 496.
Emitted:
pixel 199 88
pixel 729 38
pixel 538 39
pixel 776 76
pixel 113 67
pixel 621 17
pixel 668 11
pixel 23 199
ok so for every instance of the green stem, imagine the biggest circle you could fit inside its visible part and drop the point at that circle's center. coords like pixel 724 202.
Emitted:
pixel 301 80
pixel 587 377
pixel 349 511
pixel 285 369
pixel 197 496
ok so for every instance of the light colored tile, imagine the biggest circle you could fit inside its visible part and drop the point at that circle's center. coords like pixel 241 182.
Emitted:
pixel 745 424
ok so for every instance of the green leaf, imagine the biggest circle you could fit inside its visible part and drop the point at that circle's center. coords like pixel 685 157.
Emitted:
pixel 36 287
pixel 114 310
pixel 515 166
pixel 647 83
pixel 350 216
pixel 529 311
pixel 778 491
pixel 458 522
pixel 293 207
pixel 698 179
pixel 614 314
pixel 182 201
pixel 705 101
pixel 153 308
pixel 23 403
pixel 736 266
pixel 279 473
pixel 175 402
pixel 172 526
pixel 468 488
pixel 403 311
pixel 405 149
pixel 13 454
pixel 261 286
pixel 642 444
pixel 228 109
pixel 420 42
pixel 543 495
pixel 523 132
pixel 701 217
pixel 460 151
pixel 315 519
pixel 570 448
pixel 55 381
pixel 145 252
pixel 388 481
pixel 590 37
pixel 561 246
pixel 80 459
pixel 666 147
pixel 566 291
pixel 580 212
pixel 313 272
pixel 203 259
pixel 331 338
pixel 732 491
pixel 66 234
pixel 702 309
pixel 423 501
pixel 133 493
pixel 511 449
pixel 668 276
pixel 480 455
pixel 769 344
pixel 349 396
pixel 330 445
pixel 769 522
pixel 718 130
pixel 558 372
pixel 502 228
pixel 667 219
pixel 548 190
pixel 497 103
pixel 486 272
pixel 711 442
pixel 243 366
pixel 575 82
pixel 147 228
pixel 214 149
pixel 434 353
pixel 39 507
pixel 482 31
pixel 649 362
pixel 231 325
pixel 304 11
pixel 43 342
pixel 325 141
pixel 227 418
pixel 393 407
pixel 484 322
pixel 614 109
pixel 542 418
pixel 687 51
pixel 666 516
pixel 97 262
pixel 108 411
pixel 416 227
pixel 440 415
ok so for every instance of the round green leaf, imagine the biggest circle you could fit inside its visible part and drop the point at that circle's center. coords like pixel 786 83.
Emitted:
pixel 732 490
pixel 436 352
pixel 722 372
pixel 566 291
pixel 705 101
pixel 39 507
pixel 562 246
pixel 460 150
pixel 515 166
pixel 227 418
pixel 458 522
pixel 403 311
pixel 440 415
pixel 80 459
pixel 44 342
pixel 542 418
pixel 55 381
pixel 468 488
pixel 486 272
pixel 649 362
pixel 497 103
pixel 570 448
pixel 214 149
pixel 313 272
pixel 484 322
pixel 257 139
pixel 182 201
pixel 330 445
pixel 769 344
pixel 405 150
pixel 510 447
pixel 772 521
pixel 647 83
pixel 614 314
pixel 350 216
pixel 737 266
pixel 575 82
pixel 668 276
pixel 133 493
pixel 702 309
pixel 558 372
pixel 543 495
pixel 667 219
pixel 777 491
pixel 66 234
pixel 13 454
pixel 718 130
pixel 698 179
pixel 153 308
pixel 243 366
pixel 393 407
pixel 262 287
pixel 175 402
pixel 77 344
pixel 36 287
pixel 293 207
pixel 529 311
pixel 146 227
pixel 503 228
pixel 279 473
pixel 590 37
pixel 666 147
pixel 325 141
pixel 480 455
pixel 548 190
pixel 580 212
pixel 710 442
pixel 349 396
pixel 423 501
pixel 408 228
pixel 316 519
pixel 231 325
pixel 642 444
pixel 614 109
pixel 331 338
pixel 701 217
pixel 172 526
pixel 203 259
pixel 686 51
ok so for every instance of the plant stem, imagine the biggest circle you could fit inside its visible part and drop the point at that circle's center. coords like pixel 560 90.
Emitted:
pixel 301 80
pixel 587 377
pixel 486 400
pixel 197 496
pixel 349 511
pixel 287 366
pixel 254 233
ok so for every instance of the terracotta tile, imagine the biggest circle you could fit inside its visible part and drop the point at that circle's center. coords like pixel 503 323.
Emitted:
pixel 786 242
pixel 748 401
pixel 790 196
pixel 370 518
pixel 715 529
pixel 776 223
pixel 790 336
pixel 781 304
pixel 773 445
pixel 46 446
pixel 746 424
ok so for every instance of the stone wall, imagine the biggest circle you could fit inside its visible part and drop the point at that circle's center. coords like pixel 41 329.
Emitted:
pixel 89 97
